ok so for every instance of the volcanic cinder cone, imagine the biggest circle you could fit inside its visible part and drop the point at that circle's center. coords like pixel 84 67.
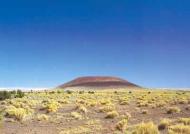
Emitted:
pixel 98 82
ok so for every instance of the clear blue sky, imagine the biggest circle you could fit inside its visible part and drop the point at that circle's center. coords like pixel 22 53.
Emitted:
pixel 44 43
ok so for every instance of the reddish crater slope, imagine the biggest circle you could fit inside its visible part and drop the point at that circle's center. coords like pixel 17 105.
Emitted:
pixel 99 81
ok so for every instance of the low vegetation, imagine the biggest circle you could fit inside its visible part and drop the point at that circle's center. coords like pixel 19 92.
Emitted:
pixel 102 111
pixel 11 94
pixel 164 123
pixel 122 125
pixel 172 110
pixel 179 129
pixel 146 128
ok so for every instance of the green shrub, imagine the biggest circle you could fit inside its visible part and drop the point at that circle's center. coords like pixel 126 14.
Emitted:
pixel 5 95
pixel 11 94
pixel 69 91
pixel 19 94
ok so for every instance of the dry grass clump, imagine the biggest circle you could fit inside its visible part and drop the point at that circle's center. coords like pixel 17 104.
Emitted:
pixel 18 113
pixel 172 110
pixel 144 111
pixel 52 106
pixel 160 104
pixel 3 102
pixel 42 117
pixel 63 101
pixel 164 123
pixel 76 115
pixel 79 101
pixel 17 103
pixel 1 116
pixel 183 101
pixel 123 101
pixel 185 121
pixel 82 108
pixel 112 114
pixel 105 102
pixel 122 125
pixel 88 105
pixel 142 104
pixel 126 116
pixel 179 129
pixel 94 125
pixel 107 108
pixel 146 128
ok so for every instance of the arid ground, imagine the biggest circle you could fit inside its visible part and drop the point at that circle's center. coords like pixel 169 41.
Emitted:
pixel 97 112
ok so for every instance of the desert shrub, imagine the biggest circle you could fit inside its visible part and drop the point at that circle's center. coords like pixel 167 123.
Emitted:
pixel 122 125
pixel 51 106
pixel 11 94
pixel 146 128
pixel 18 113
pixel 160 104
pixel 19 94
pixel 63 101
pixel 187 107
pixel 59 91
pixel 3 102
pixel 92 103
pixel 69 91
pixel 81 101
pixel 17 103
pixel 112 114
pixel 76 115
pixel 1 115
pixel 185 121
pixel 164 123
pixel 124 102
pixel 144 111
pixel 179 129
pixel 142 104
pixel 81 108
pixel 52 92
pixel 81 92
pixel 126 116
pixel 42 117
pixel 5 95
pixel 105 102
pixel 172 110
pixel 183 101
pixel 107 108
pixel 91 92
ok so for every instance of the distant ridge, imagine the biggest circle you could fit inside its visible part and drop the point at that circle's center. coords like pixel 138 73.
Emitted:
pixel 98 82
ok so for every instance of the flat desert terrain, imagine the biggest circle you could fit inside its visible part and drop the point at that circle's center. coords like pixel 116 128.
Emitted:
pixel 127 111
